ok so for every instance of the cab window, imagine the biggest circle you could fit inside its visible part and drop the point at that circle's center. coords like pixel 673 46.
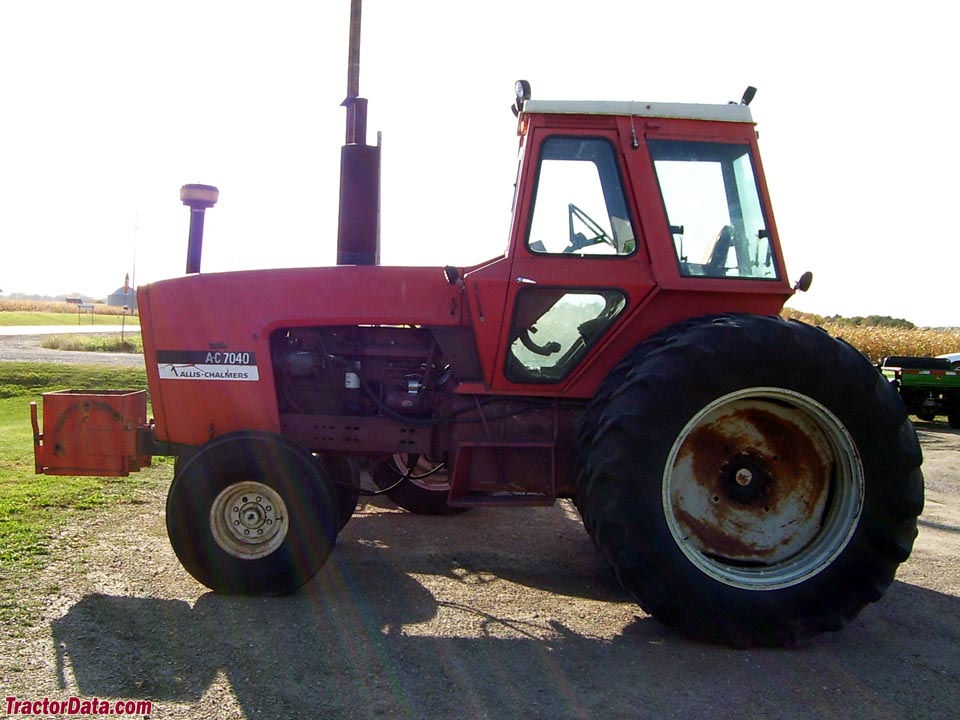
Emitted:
pixel 553 328
pixel 579 206
pixel 713 208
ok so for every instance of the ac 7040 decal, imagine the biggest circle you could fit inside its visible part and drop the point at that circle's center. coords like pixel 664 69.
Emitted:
pixel 207 365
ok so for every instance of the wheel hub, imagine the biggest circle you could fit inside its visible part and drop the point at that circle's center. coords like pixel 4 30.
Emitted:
pixel 745 480
pixel 248 520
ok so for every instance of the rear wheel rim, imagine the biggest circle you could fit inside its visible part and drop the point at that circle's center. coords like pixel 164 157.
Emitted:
pixel 763 488
pixel 248 520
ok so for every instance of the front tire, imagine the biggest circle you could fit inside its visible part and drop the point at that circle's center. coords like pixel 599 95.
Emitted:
pixel 252 514
pixel 752 481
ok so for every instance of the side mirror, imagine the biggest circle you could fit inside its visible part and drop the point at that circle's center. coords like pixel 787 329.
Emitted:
pixel 805 281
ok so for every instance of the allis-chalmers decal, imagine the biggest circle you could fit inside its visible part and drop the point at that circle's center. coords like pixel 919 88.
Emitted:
pixel 207 365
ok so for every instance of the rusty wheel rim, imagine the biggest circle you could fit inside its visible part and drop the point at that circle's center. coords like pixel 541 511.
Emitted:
pixel 763 488
pixel 248 520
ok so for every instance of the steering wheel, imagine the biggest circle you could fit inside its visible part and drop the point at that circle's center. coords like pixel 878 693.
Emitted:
pixel 578 241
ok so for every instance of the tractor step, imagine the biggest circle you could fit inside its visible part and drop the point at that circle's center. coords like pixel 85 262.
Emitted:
pixel 514 473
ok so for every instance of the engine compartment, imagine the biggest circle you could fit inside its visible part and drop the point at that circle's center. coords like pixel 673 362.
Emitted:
pixel 396 372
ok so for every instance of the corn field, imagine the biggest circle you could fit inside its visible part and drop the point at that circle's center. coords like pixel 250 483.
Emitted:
pixel 53 306
pixel 878 342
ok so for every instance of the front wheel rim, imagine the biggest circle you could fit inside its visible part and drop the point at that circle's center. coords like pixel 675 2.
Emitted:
pixel 248 520
pixel 763 488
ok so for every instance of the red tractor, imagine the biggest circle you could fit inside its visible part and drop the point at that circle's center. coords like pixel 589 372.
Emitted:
pixel 751 480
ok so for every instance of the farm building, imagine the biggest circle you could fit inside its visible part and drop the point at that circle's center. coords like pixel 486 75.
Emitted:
pixel 119 298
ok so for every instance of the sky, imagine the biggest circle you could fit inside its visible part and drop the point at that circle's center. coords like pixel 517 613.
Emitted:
pixel 108 107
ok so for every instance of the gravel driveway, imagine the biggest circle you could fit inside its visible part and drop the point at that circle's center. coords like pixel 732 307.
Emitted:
pixel 26 348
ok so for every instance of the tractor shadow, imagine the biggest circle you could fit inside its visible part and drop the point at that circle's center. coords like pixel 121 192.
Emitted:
pixel 366 638
pixel 933 428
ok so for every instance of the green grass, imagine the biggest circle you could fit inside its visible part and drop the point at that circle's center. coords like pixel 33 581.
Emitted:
pixel 130 343
pixel 34 508
pixel 25 317
pixel 31 380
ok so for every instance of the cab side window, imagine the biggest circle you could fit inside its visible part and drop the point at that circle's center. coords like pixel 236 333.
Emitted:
pixel 713 207
pixel 553 329
pixel 579 206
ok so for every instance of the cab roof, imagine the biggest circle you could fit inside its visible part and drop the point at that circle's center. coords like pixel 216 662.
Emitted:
pixel 732 112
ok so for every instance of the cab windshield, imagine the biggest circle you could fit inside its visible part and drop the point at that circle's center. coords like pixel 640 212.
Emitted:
pixel 580 208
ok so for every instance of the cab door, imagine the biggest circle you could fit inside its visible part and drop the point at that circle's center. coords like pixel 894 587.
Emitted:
pixel 578 262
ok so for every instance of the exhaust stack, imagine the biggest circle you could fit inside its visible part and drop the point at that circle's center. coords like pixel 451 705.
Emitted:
pixel 358 235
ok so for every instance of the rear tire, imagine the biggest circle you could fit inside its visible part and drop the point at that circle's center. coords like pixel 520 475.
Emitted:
pixel 253 514
pixel 425 492
pixel 752 481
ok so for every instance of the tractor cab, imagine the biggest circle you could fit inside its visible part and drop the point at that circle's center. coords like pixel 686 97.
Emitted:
pixel 622 209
